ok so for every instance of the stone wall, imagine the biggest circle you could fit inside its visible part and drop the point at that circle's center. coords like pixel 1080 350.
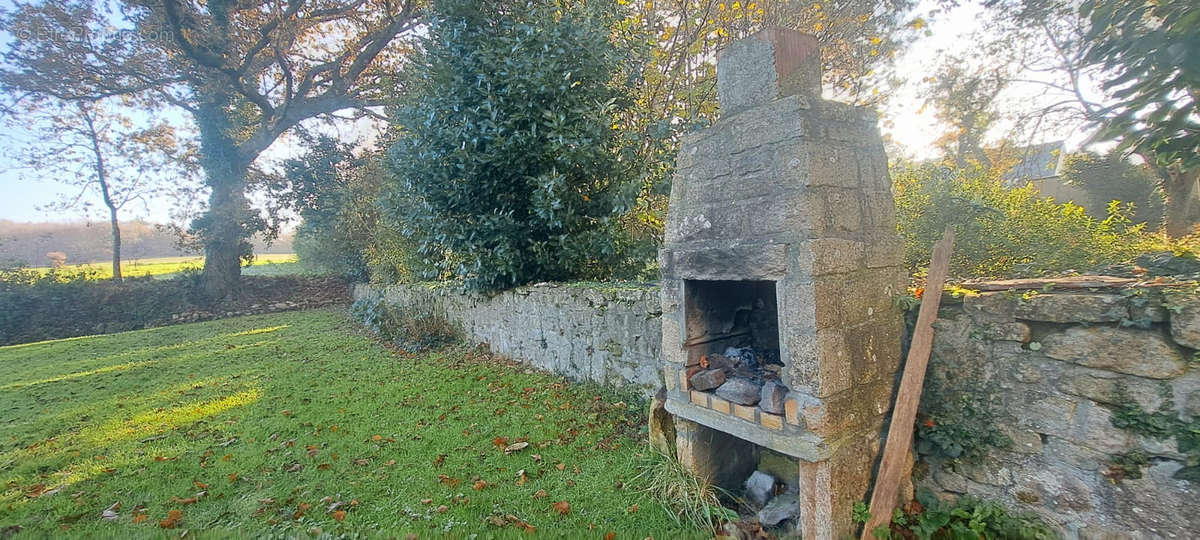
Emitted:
pixel 606 333
pixel 1051 369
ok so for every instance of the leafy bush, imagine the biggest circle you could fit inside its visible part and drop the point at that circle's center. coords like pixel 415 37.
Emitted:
pixel 409 328
pixel 1109 177
pixel 509 167
pixel 1006 232
pixel 35 306
pixel 965 518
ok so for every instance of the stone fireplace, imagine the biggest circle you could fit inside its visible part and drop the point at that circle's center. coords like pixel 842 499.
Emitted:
pixel 779 264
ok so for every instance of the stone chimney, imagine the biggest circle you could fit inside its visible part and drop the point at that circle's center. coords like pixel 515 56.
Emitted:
pixel 768 65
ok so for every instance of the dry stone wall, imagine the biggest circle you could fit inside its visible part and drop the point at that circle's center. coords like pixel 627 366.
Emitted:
pixel 1052 371
pixel 610 334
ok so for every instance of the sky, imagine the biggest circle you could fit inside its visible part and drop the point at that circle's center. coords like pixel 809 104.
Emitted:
pixel 24 194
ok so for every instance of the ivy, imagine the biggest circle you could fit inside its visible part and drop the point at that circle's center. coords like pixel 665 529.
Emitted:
pixel 1161 424
pixel 956 421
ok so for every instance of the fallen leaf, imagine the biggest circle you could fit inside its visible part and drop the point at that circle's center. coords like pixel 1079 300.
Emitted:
pixel 200 485
pixel 232 477
pixel 226 457
pixel 500 442
pixel 562 507
pixel 537 458
pixel 323 467
pixel 515 447
pixel 540 494
pixel 610 536
pixel 287 412
pixel 426 501
pixel 139 517
pixel 448 480
pixel 497 521
pixel 437 462
pixel 632 508
pixel 300 510
pixel 479 485
pixel 560 466
pixel 35 491
pixel 296 467
pixel 377 437
pixel 189 500
pixel 390 462
pixel 521 477
pixel 443 509
pixel 339 515
pixel 172 519
pixel 362 462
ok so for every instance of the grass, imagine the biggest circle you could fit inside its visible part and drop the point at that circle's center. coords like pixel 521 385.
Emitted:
pixel 272 263
pixel 297 424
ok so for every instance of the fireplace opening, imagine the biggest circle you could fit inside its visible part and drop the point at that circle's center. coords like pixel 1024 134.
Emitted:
pixel 732 342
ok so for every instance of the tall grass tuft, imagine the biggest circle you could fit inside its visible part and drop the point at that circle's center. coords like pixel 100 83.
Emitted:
pixel 689 499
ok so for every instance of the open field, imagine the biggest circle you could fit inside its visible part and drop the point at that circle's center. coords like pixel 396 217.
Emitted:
pixel 270 263
pixel 296 424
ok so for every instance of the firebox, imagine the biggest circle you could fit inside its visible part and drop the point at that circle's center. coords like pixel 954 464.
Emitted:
pixel 779 263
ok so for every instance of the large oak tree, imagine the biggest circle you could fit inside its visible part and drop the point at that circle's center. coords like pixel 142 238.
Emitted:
pixel 245 71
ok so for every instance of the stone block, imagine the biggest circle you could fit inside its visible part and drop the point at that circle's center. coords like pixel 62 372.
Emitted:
pixel 1014 331
pixel 1185 322
pixel 745 412
pixel 765 66
pixel 759 487
pixel 1101 386
pixel 661 424
pixel 771 421
pixel 698 398
pixel 1023 441
pixel 1145 353
pixel 845 210
pixel 773 395
pixel 717 404
pixel 1071 307
pixel 707 379
pixel 836 255
pixel 740 390
pixel 991 307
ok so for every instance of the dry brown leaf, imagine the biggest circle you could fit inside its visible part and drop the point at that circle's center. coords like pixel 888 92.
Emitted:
pixel 562 507
pixel 560 466
pixel 540 494
pixel 479 485
pixel 339 515
pixel 173 518
pixel 515 447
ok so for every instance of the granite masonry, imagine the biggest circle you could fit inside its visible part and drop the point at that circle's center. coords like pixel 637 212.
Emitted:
pixel 1054 368
pixel 779 264
pixel 607 333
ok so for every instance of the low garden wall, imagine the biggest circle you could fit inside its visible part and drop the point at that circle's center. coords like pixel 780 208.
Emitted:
pixel 1082 406
pixel 605 333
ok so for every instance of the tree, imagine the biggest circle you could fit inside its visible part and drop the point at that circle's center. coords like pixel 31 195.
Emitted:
pixel 246 73
pixel 1149 47
pixel 102 154
pixel 1111 177
pixel 509 167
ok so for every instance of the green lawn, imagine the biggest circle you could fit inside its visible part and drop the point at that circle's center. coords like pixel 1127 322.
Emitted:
pixel 298 424
pixel 270 263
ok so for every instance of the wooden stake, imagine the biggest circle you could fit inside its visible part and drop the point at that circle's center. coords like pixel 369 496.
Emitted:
pixel 900 434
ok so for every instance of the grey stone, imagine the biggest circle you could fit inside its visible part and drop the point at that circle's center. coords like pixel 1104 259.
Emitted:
pixel 988 471
pixel 707 379
pixel 1144 353
pixel 1072 307
pixel 661 424
pixel 1101 532
pixel 740 390
pixel 773 395
pixel 950 480
pixel 1185 322
pixel 1101 386
pixel 1192 407
pixel 780 509
pixel 1014 331
pixel 784 468
pixel 1023 441
pixel 760 487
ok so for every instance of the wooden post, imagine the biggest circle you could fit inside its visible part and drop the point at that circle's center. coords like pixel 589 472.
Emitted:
pixel 900 433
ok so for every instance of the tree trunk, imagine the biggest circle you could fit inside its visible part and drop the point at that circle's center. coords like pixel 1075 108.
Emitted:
pixel 105 193
pixel 116 243
pixel 1180 189
pixel 223 227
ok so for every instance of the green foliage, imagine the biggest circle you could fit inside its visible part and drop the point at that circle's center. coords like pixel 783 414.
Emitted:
pixel 1005 232
pixel 1110 177
pixel 409 328
pixel 1127 466
pixel 1149 47
pixel 957 420
pixel 59 303
pixel 508 167
pixel 1163 423
pixel 967 518
pixel 334 192
pixel 282 412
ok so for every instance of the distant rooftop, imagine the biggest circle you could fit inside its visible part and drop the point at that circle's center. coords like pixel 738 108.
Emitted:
pixel 1038 162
